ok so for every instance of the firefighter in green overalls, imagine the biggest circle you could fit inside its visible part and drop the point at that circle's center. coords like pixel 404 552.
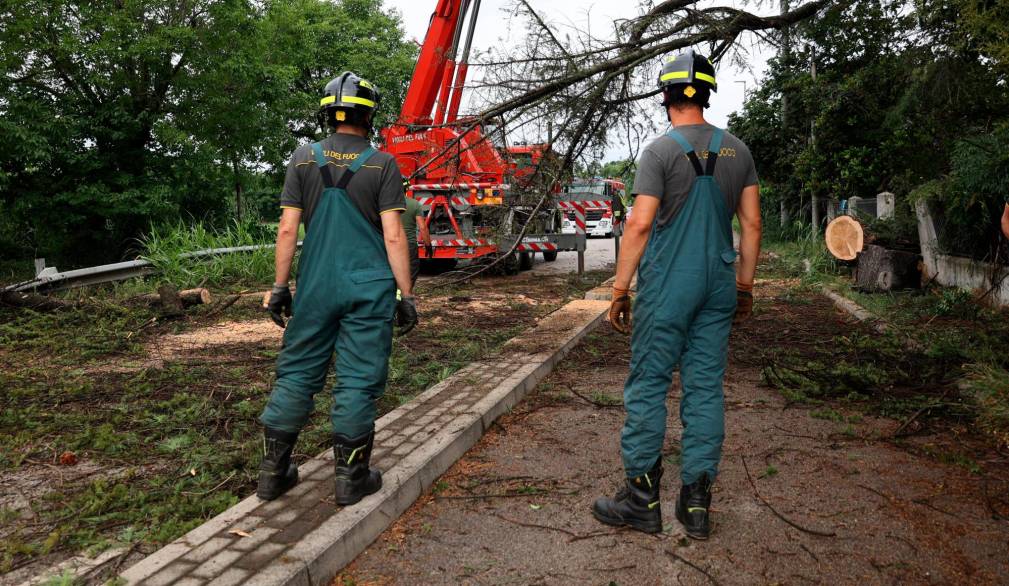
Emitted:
pixel 354 256
pixel 689 183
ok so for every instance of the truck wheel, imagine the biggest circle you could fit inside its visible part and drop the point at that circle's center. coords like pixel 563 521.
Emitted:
pixel 550 255
pixel 525 261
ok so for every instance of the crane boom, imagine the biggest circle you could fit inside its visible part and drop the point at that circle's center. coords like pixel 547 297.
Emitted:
pixel 435 58
pixel 461 169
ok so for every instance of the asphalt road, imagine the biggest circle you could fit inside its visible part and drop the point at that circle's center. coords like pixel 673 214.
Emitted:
pixel 598 255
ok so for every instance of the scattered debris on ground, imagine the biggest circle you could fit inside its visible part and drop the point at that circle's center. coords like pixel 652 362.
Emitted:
pixel 812 484
pixel 158 414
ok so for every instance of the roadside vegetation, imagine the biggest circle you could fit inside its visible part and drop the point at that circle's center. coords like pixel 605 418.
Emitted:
pixel 939 364
pixel 111 441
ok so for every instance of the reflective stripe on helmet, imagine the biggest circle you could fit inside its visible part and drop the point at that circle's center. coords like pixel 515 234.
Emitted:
pixel 674 75
pixel 705 77
pixel 686 74
pixel 348 99
pixel 357 100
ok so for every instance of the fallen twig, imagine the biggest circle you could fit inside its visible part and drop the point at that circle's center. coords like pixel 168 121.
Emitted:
pixel 598 404
pixel 809 551
pixel 573 536
pixel 223 482
pixel 224 305
pixel 775 511
pixel 919 412
pixel 592 535
pixel 535 525
pixel 694 566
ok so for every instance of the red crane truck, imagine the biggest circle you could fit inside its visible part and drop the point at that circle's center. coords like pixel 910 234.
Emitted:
pixel 462 171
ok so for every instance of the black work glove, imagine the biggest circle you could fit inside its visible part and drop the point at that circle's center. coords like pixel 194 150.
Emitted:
pixel 406 315
pixel 279 304
pixel 744 306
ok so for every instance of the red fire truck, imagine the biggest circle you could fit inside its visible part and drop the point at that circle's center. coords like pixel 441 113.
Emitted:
pixel 588 206
pixel 461 170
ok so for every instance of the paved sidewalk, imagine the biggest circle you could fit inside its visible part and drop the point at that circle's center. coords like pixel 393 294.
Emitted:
pixel 303 538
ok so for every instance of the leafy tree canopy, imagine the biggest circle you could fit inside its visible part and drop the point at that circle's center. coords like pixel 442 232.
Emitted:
pixel 120 114
pixel 906 95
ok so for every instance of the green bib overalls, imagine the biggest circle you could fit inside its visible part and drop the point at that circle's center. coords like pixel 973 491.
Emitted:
pixel 684 310
pixel 345 301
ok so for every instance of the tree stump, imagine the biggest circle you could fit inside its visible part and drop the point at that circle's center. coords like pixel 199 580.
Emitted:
pixel 845 238
pixel 882 269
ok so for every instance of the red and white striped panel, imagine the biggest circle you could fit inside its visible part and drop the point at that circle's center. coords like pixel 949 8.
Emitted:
pixel 579 211
pixel 536 247
pixel 440 186
pixel 463 242
pixel 585 204
pixel 456 201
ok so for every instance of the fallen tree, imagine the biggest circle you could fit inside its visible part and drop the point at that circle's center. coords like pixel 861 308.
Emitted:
pixel 577 92
pixel 166 296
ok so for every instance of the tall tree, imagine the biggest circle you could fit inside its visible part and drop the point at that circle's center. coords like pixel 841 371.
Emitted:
pixel 121 113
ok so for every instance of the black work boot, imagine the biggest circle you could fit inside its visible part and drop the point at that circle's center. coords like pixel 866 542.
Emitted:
pixel 692 507
pixel 636 505
pixel 354 479
pixel 277 474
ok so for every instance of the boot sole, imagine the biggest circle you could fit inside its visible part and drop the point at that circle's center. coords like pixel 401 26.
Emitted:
pixel 274 495
pixel 346 501
pixel 620 522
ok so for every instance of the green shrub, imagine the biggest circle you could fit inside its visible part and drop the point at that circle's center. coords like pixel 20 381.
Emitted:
pixel 168 247
pixel 988 387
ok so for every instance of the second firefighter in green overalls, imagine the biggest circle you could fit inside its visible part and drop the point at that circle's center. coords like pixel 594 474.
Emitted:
pixel 354 256
pixel 689 183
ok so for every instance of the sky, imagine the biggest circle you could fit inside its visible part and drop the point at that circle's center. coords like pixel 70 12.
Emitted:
pixel 495 29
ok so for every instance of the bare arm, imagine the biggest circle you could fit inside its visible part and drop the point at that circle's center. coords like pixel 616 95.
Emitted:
pixel 396 248
pixel 749 241
pixel 287 244
pixel 422 231
pixel 637 229
pixel 1005 221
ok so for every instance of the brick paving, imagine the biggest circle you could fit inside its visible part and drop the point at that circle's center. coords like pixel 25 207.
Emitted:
pixel 303 538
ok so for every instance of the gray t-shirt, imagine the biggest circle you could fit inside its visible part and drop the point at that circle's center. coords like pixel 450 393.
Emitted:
pixel 665 171
pixel 375 189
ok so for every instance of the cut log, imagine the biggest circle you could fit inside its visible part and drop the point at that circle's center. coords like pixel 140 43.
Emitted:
pixel 31 301
pixel 188 298
pixel 845 238
pixel 882 269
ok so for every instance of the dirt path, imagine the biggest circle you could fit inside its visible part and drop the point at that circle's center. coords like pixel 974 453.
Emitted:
pixel 800 498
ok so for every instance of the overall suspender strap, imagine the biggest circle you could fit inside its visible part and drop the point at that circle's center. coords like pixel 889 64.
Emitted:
pixel 323 164
pixel 688 149
pixel 713 149
pixel 355 167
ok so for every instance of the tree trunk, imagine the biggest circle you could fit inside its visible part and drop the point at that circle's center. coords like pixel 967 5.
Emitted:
pixel 238 188
pixel 31 301
pixel 880 269
pixel 187 298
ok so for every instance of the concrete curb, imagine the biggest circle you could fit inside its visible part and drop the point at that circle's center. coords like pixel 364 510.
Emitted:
pixel 450 417
pixel 856 311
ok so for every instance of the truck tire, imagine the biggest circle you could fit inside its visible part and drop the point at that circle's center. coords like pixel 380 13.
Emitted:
pixel 525 261
pixel 549 255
